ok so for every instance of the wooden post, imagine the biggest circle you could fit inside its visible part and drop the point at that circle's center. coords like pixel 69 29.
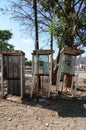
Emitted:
pixel 21 76
pixel 67 81
pixel 50 80
pixel 51 54
pixel 2 87
pixel 74 94
pixel 32 76
pixel 58 75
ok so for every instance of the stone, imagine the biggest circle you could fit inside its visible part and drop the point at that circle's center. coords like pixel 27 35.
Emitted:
pixel 9 119
pixel 47 124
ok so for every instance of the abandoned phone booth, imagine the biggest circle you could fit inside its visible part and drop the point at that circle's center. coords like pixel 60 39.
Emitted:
pixel 13 72
pixel 67 64
pixel 42 66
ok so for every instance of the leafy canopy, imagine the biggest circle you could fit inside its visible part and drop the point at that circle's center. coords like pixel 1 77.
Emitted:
pixel 5 35
pixel 69 24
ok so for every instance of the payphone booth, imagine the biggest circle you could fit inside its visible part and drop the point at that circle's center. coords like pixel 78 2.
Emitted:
pixel 42 66
pixel 12 71
pixel 67 64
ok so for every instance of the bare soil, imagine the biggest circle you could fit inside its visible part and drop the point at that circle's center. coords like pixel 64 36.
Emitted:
pixel 40 113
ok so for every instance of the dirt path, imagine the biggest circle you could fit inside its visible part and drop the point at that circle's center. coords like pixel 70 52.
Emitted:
pixel 53 114
pixel 43 114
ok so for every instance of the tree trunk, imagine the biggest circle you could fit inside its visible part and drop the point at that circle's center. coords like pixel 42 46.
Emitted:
pixel 67 81
pixel 54 77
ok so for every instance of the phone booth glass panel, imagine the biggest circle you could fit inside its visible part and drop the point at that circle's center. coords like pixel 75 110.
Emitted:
pixel 68 64
pixel 41 64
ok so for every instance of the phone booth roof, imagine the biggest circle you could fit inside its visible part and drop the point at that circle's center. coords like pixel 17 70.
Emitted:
pixel 71 51
pixel 42 52
pixel 12 52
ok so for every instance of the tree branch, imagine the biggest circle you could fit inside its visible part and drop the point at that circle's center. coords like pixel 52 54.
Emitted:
pixel 62 10
pixel 80 7
pixel 77 3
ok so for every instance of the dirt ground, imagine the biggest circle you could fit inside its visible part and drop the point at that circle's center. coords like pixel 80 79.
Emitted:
pixel 40 113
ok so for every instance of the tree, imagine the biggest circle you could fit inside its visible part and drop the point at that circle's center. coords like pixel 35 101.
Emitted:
pixel 5 35
pixel 69 27
pixel 28 62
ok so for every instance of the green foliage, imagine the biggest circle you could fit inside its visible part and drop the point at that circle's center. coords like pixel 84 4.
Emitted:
pixel 48 4
pixel 69 24
pixel 28 63
pixel 62 31
pixel 5 35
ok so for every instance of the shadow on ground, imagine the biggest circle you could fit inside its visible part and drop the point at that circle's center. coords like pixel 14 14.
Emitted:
pixel 66 107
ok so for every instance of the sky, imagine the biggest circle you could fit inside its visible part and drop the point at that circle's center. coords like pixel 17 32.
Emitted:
pixel 19 39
